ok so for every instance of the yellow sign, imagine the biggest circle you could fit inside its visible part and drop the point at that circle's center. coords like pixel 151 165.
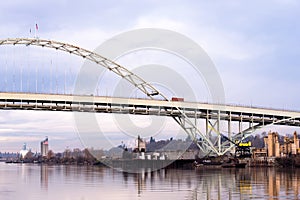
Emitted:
pixel 245 144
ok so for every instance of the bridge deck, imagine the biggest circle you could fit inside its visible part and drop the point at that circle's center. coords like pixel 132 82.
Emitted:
pixel 146 107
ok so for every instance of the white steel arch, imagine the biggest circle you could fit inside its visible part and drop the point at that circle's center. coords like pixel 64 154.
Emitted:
pixel 137 81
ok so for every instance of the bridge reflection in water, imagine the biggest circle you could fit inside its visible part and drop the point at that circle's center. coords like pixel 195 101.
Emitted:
pixel 89 182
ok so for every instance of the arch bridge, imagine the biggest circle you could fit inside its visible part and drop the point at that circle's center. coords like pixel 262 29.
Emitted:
pixel 186 114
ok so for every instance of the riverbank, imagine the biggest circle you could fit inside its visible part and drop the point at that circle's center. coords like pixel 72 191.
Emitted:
pixel 134 164
pixel 123 164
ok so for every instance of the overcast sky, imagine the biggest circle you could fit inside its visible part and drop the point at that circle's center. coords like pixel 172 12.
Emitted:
pixel 255 46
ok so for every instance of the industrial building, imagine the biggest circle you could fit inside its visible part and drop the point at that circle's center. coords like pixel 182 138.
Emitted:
pixel 273 148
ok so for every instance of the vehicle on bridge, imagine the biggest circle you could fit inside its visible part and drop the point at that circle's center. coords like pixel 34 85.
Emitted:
pixel 177 99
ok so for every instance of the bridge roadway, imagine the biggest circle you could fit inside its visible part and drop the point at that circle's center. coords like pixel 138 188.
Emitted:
pixel 54 102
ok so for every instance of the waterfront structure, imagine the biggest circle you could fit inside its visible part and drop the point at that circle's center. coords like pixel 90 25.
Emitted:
pixel 273 148
pixel 272 144
pixel 24 151
pixel 243 149
pixel 259 154
pixel 290 146
pixel 44 147
pixel 140 145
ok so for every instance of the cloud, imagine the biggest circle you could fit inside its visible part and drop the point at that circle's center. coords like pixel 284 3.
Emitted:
pixel 32 126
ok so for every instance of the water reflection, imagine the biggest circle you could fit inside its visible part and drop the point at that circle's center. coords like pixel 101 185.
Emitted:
pixel 44 176
pixel 88 182
pixel 260 183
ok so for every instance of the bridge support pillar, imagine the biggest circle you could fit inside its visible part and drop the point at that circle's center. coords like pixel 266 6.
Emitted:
pixel 229 126
pixel 218 130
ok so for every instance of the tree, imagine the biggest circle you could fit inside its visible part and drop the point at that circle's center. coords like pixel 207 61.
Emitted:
pixel 50 154
pixel 88 156
pixel 152 140
pixel 258 142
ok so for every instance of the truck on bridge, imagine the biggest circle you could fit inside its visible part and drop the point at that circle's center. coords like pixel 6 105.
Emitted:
pixel 177 99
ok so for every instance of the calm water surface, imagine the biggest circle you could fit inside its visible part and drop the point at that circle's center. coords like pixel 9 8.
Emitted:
pixel 30 181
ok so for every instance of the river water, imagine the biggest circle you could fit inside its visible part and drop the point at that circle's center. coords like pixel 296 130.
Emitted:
pixel 32 181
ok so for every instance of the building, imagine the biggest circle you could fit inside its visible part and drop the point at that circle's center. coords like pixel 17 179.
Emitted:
pixel 273 148
pixel 259 154
pixel 295 145
pixel 140 145
pixel 272 144
pixel 44 147
pixel 24 151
